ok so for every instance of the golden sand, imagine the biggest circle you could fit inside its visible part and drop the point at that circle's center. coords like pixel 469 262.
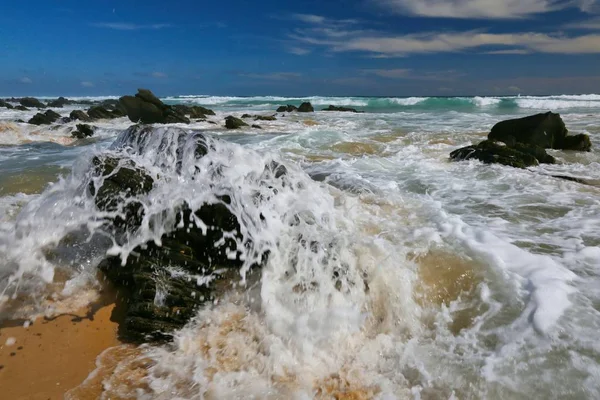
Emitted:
pixel 53 355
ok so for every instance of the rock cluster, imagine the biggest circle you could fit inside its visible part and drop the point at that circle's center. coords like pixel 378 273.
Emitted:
pixel 523 142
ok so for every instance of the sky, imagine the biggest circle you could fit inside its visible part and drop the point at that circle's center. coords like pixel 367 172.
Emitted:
pixel 300 48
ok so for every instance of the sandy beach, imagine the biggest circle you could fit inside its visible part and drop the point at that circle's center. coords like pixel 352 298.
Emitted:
pixel 51 356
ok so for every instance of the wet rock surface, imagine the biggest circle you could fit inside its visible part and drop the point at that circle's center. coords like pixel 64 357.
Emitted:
pixel 522 142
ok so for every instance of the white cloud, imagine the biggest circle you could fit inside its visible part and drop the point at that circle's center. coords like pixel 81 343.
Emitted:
pixel 509 51
pixel 159 75
pixel 385 45
pixel 87 84
pixel 299 51
pixel 390 73
pixel 492 9
pixel 25 80
pixel 310 19
pixel 124 26
pixel 514 89
pixel 400 73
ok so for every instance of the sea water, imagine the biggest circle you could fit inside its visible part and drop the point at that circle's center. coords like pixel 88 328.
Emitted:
pixel 428 279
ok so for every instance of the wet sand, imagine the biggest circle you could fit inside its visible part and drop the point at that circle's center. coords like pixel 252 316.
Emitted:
pixel 52 356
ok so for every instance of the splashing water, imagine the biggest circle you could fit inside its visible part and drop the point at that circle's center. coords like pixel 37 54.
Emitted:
pixel 391 273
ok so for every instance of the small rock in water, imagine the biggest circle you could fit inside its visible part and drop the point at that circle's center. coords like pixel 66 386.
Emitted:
pixel 306 107
pixel 234 123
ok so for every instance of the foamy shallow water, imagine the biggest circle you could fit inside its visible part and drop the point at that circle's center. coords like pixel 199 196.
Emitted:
pixel 462 280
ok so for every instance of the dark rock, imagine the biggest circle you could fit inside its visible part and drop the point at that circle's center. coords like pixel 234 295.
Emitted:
pixel 264 118
pixel 257 126
pixel 146 108
pixel 20 120
pixel 79 115
pixel 306 107
pixel 288 108
pixel 149 97
pixel 5 104
pixel 141 111
pixel 543 130
pixel 83 131
pixel 65 120
pixel 123 181
pixel 579 142
pixel 99 112
pixel 234 123
pixel 46 118
pixel 31 102
pixel 246 116
pixel 212 122
pixel 60 102
pixel 491 152
pixel 547 131
pixel 342 109
pixel 203 110
pixel 21 108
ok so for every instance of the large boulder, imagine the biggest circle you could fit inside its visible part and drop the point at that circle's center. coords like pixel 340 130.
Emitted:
pixel 306 107
pixel 31 102
pixel 162 283
pixel 5 104
pixel 146 108
pixel 46 118
pixel 342 109
pixel 546 130
pixel 234 123
pixel 491 152
pixel 83 131
pixel 79 115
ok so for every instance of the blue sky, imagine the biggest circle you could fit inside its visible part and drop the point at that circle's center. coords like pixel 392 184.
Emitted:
pixel 310 47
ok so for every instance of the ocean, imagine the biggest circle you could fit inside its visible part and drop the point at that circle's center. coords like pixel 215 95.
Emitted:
pixel 461 280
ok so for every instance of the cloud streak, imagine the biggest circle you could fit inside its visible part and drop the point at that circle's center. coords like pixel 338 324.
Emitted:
pixel 340 37
pixel 484 9
pixel 125 26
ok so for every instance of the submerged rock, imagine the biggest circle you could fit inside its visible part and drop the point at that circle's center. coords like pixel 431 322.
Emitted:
pixel 122 182
pixel 164 282
pixel 288 108
pixel 79 115
pixel 342 109
pixel 21 108
pixel 46 118
pixel 31 102
pixel 5 104
pixel 255 126
pixel 234 123
pixel 83 131
pixel 492 152
pixel 60 102
pixel 99 112
pixel 306 107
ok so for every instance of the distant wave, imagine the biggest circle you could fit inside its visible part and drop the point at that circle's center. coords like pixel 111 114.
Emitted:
pixel 399 103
